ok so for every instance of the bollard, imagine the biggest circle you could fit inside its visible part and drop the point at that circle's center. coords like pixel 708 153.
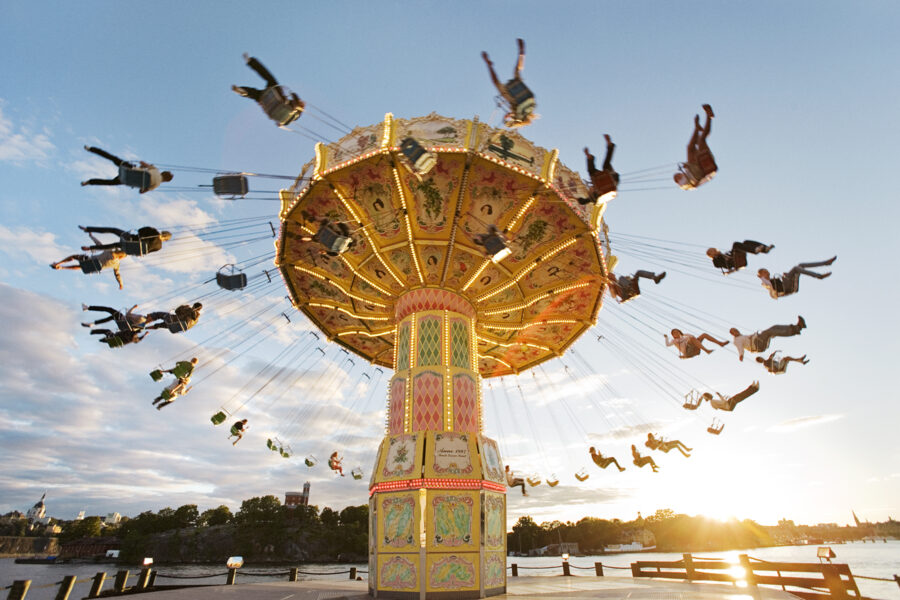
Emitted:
pixel 688 565
pixel 598 569
pixel 18 589
pixel 566 572
pixel 515 570
pixel 293 575
pixel 232 575
pixel 897 579
pixel 352 573
pixel 65 587
pixel 99 578
pixel 121 581
pixel 152 581
pixel 751 576
pixel 143 577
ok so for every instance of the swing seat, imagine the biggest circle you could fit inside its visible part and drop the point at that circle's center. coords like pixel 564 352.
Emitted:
pixel 357 473
pixel 523 102
pixel 692 400
pixel 310 461
pixel 604 185
pixel 707 165
pixel 233 280
pixel 333 241
pixel 533 481
pixel 218 418
pixel 166 395
pixel 135 178
pixel 284 453
pixel 92 265
pixel 271 445
pixel 552 481
pixel 715 429
pixel 156 374
pixel 134 247
pixel 230 186
pixel 581 475
pixel 421 159
pixel 277 105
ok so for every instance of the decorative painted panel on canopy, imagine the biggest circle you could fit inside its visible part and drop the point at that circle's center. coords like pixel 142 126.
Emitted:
pixel 428 231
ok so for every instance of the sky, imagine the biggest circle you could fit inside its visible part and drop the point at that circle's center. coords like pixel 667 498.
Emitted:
pixel 805 95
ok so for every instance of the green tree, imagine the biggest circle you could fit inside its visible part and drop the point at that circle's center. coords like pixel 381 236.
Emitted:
pixel 215 516
pixel 186 516
pixel 329 518
pixel 85 528
pixel 260 511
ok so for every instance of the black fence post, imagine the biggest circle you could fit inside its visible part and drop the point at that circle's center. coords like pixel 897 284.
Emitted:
pixel 688 565
pixel 152 580
pixel 515 570
pixel 19 589
pixel 121 581
pixel 897 579
pixel 143 578
pixel 566 572
pixel 65 587
pixel 353 573
pixel 97 586
pixel 598 568
pixel 232 575
pixel 293 575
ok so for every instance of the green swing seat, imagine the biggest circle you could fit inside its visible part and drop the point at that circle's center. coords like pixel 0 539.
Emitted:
pixel 219 418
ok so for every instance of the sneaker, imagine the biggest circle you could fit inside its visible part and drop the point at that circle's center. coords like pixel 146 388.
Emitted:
pixel 84 183
pixel 660 277
pixel 831 260
pixel 801 322
pixel 246 57
pixel 709 111
pixel 767 249
pixel 239 90
pixel 84 307
pixel 54 266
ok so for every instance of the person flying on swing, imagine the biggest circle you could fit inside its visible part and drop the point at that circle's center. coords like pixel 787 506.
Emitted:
pixel 122 337
pixel 625 287
pixel 145 241
pixel 655 443
pixel 147 176
pixel 513 481
pixel 519 99
pixel 789 282
pixel 640 461
pixel 93 263
pixel 778 364
pixel 736 259
pixel 237 430
pixel 179 387
pixel 182 368
pixel 335 463
pixel 605 181
pixel 181 319
pixel 727 403
pixel 604 461
pixel 127 320
pixel 700 166
pixel 690 346
pixel 290 108
pixel 759 341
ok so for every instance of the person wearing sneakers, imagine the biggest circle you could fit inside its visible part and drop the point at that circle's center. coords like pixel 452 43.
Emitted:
pixel 605 181
pixel 789 282
pixel 625 287
pixel 689 346
pixel 777 365
pixel 736 259
pixel 759 341
pixel 604 461
pixel 700 165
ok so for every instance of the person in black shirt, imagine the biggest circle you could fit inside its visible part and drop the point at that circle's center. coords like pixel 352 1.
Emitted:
pixel 181 319
pixel 146 240
pixel 736 259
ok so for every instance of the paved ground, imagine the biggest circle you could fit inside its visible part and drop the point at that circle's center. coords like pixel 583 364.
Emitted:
pixel 519 588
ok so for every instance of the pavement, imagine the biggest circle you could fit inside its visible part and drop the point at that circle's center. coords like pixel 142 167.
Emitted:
pixel 518 588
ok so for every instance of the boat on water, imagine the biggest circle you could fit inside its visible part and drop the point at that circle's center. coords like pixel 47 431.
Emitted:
pixel 623 548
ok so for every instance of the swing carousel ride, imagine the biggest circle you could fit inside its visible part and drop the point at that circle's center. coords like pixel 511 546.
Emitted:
pixel 483 266
pixel 448 251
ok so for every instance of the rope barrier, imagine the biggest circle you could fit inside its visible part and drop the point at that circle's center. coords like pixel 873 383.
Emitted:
pixel 158 574
pixel 873 578
pixel 326 572
pixel 278 574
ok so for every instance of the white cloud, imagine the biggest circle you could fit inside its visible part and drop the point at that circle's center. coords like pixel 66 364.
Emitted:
pixel 21 144
pixel 801 422
pixel 38 245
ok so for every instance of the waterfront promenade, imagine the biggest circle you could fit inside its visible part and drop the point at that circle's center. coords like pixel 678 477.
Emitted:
pixel 520 588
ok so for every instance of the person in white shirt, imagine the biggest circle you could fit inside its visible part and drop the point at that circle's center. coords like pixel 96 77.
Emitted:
pixel 759 341
pixel 727 403
pixel 155 176
pixel 778 364
pixel 690 346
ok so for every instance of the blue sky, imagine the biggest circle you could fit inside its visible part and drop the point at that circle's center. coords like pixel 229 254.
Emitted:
pixel 805 95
